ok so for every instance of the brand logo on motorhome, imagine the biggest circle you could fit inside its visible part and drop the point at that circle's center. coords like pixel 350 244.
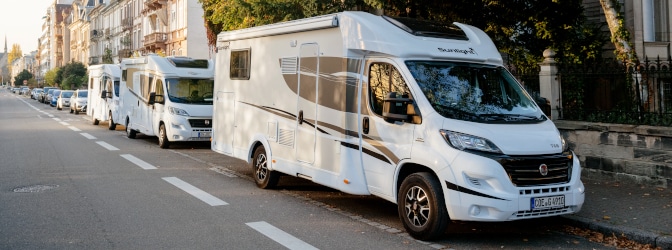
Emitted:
pixel 459 51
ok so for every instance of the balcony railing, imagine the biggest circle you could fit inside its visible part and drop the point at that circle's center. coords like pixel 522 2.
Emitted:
pixel 156 39
pixel 94 60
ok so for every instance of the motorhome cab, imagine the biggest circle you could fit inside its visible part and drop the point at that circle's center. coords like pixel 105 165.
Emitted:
pixel 103 93
pixel 167 97
pixel 422 115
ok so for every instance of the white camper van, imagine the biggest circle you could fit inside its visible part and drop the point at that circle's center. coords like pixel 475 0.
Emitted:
pixel 167 97
pixel 423 115
pixel 103 93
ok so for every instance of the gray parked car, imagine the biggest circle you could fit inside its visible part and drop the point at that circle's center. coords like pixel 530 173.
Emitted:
pixel 79 100
pixel 64 99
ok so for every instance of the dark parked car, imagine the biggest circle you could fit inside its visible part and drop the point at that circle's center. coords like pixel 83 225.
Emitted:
pixel 45 94
pixel 54 97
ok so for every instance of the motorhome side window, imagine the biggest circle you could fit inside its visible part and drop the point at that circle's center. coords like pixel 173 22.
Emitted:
pixel 240 64
pixel 383 79
pixel 158 90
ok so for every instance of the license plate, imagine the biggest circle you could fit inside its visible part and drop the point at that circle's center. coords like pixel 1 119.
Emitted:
pixel 204 134
pixel 547 202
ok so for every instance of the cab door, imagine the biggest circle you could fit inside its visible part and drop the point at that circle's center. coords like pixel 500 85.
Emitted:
pixel 385 143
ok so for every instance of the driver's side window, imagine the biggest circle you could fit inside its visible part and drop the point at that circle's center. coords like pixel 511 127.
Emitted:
pixel 383 79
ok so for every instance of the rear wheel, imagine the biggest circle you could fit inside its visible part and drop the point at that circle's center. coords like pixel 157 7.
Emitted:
pixel 129 132
pixel 422 207
pixel 111 125
pixel 263 177
pixel 163 138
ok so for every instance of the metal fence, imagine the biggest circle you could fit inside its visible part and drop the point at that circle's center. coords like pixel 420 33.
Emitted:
pixel 613 92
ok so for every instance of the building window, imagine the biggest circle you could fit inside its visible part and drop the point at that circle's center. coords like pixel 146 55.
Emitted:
pixel 240 64
pixel 661 20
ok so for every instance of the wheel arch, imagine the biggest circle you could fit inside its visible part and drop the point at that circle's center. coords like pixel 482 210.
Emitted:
pixel 255 142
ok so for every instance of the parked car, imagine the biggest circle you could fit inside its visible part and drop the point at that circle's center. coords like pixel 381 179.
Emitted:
pixel 45 94
pixel 54 97
pixel 79 100
pixel 15 90
pixel 35 93
pixel 63 99
pixel 25 90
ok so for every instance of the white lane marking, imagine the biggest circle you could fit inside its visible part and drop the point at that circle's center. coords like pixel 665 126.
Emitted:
pixel 107 146
pixel 55 118
pixel 279 236
pixel 214 167
pixel 196 192
pixel 51 116
pixel 137 161
pixel 65 123
pixel 88 136
pixel 74 129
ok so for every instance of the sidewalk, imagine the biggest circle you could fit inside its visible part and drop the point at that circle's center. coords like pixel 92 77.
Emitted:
pixel 642 214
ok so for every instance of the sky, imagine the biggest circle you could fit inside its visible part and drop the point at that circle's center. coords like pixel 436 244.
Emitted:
pixel 21 23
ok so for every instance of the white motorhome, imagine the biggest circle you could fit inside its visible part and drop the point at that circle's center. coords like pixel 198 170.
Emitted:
pixel 167 97
pixel 103 93
pixel 421 114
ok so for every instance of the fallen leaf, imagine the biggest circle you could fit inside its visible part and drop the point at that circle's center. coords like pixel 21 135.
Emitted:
pixel 606 217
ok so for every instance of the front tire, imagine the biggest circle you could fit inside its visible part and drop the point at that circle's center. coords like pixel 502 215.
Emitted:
pixel 422 207
pixel 163 137
pixel 111 125
pixel 263 177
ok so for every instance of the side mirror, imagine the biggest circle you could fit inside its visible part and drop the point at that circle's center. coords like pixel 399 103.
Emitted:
pixel 152 98
pixel 103 94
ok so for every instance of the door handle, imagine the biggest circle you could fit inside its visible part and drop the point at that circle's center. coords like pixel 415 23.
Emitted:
pixel 365 125
pixel 300 117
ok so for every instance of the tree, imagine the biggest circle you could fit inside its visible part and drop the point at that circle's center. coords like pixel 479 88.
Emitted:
pixel 107 57
pixel 72 75
pixel 620 36
pixel 14 54
pixel 522 29
pixel 51 76
pixel 23 75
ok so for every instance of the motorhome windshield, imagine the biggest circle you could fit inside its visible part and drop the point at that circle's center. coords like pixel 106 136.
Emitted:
pixel 474 92
pixel 192 91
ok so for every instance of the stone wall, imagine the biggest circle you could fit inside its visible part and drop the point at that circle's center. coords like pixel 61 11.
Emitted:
pixel 618 152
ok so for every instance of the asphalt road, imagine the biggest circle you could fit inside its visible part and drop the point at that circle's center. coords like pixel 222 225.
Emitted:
pixel 68 184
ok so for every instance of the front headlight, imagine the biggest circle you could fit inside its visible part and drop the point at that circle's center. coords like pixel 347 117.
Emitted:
pixel 176 111
pixel 464 141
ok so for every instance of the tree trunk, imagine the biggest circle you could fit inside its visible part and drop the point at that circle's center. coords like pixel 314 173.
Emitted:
pixel 619 34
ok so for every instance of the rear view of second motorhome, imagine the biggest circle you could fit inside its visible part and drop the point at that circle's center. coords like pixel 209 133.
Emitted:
pixel 167 97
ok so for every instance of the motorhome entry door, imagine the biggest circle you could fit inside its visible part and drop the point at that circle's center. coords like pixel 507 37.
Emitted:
pixel 308 87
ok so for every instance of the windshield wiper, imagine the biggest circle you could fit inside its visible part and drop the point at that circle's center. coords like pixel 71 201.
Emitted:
pixel 510 117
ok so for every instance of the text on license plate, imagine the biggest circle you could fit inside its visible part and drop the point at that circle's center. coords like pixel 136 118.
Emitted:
pixel 547 202
pixel 204 134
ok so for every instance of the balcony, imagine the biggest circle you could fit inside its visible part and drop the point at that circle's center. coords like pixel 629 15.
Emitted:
pixel 127 23
pixel 125 53
pixel 94 60
pixel 151 5
pixel 155 41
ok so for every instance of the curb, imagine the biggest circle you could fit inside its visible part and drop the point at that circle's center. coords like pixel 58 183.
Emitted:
pixel 638 235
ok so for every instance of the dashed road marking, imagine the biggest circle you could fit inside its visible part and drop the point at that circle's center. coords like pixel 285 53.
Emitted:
pixel 196 192
pixel 88 136
pixel 65 123
pixel 107 146
pixel 137 161
pixel 279 236
pixel 73 128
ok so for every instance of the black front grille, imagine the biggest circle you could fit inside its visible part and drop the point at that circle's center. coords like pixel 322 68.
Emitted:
pixel 200 123
pixel 526 170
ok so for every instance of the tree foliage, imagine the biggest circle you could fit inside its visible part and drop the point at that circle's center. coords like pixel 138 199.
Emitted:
pixel 522 29
pixel 14 53
pixel 23 75
pixel 71 76
pixel 51 76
